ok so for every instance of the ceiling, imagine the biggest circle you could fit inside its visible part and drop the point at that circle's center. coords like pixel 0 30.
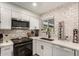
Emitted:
pixel 42 7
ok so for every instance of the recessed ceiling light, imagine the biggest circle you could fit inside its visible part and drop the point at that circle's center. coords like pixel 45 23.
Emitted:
pixel 34 4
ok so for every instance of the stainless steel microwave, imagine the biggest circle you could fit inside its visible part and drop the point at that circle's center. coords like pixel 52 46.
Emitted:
pixel 18 24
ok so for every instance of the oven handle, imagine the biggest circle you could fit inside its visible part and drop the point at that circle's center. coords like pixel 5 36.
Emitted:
pixel 23 44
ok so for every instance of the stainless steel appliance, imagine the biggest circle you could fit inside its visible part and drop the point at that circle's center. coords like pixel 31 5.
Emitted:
pixel 22 47
pixel 1 37
pixel 18 24
pixel 35 32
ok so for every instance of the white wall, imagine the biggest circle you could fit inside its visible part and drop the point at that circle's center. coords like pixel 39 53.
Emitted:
pixel 67 13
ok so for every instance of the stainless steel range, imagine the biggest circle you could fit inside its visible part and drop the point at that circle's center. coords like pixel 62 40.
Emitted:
pixel 22 46
pixel 1 38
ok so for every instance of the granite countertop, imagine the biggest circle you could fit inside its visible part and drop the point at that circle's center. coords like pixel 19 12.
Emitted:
pixel 63 43
pixel 9 42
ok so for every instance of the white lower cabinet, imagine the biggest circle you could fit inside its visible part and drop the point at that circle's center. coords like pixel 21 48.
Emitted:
pixel 34 47
pixel 7 51
pixel 62 51
pixel 77 53
pixel 43 48
pixel 47 49
pixel 39 48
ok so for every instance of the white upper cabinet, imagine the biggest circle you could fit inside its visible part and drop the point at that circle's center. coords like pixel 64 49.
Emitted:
pixel 25 17
pixel 34 23
pixel 5 18
pixel 16 14
pixel 20 16
pixel 6 14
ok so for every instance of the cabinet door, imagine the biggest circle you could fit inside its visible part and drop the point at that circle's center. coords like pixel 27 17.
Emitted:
pixel 61 51
pixel 16 14
pixel 5 18
pixel 77 53
pixel 47 49
pixel 34 23
pixel 7 51
pixel 34 46
pixel 44 49
pixel 25 17
pixel 39 48
pixel 37 23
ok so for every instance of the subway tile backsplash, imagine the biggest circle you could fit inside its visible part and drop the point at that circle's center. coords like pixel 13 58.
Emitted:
pixel 14 33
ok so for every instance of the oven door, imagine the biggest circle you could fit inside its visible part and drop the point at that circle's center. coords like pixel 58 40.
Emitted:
pixel 29 49
pixel 23 49
pixel 19 51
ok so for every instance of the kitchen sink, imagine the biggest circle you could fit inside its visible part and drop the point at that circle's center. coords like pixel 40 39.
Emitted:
pixel 47 39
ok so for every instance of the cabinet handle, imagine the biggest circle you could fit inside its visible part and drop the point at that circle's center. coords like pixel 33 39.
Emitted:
pixel 42 47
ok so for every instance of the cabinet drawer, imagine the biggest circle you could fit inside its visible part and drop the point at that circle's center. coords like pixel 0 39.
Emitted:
pixel 62 51
pixel 9 48
pixel 7 51
pixel 64 48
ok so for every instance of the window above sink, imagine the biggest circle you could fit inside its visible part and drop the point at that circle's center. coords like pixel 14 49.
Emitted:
pixel 48 24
